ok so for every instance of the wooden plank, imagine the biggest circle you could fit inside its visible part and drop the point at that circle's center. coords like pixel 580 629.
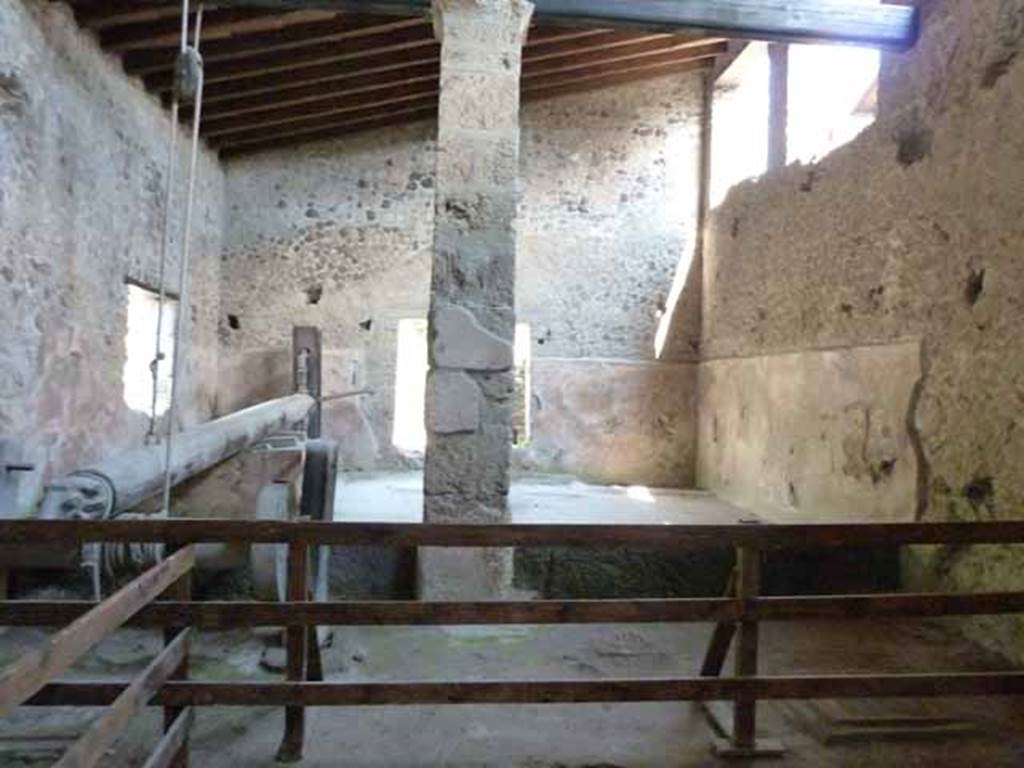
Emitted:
pixel 674 537
pixel 807 21
pixel 53 657
pixel 233 614
pixel 173 741
pixel 808 687
pixel 103 732
pixel 292 743
pixel 225 615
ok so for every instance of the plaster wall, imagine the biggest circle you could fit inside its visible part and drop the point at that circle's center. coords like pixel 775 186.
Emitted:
pixel 82 164
pixel 914 230
pixel 608 208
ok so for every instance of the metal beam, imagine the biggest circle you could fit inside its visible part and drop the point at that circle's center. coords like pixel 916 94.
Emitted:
pixel 859 22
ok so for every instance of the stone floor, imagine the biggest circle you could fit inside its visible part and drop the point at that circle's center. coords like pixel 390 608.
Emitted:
pixel 398 497
pixel 545 736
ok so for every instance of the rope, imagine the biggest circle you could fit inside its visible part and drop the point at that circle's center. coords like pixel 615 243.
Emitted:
pixel 183 302
pixel 165 245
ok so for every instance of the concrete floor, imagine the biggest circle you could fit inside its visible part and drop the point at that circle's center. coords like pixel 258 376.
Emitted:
pixel 545 736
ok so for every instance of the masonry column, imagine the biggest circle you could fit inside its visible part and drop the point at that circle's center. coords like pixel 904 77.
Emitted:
pixel 470 386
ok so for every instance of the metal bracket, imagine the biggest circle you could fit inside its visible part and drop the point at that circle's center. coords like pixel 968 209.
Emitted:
pixel 286 441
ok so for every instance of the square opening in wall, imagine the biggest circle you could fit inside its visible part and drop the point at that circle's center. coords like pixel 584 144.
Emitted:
pixel 140 349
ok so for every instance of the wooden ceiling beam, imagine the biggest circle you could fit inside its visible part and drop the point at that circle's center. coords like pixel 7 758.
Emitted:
pixel 104 15
pixel 217 25
pixel 610 46
pixel 277 137
pixel 331 105
pixel 305 42
pixel 412 44
pixel 263 133
pixel 373 63
pixel 805 21
pixel 548 75
pixel 333 131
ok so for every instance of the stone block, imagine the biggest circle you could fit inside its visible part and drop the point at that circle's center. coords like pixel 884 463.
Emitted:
pixel 472 466
pixel 452 403
pixel 468 22
pixel 459 340
pixel 474 268
pixel 480 101
pixel 479 573
pixel 474 160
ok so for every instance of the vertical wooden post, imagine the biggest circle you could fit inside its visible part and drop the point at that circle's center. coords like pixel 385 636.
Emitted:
pixel 748 584
pixel 181 590
pixel 778 105
pixel 744 743
pixel 298 590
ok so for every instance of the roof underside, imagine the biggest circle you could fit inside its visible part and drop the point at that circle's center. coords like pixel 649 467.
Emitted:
pixel 276 77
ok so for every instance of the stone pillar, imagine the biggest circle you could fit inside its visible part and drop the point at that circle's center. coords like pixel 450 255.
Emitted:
pixel 470 386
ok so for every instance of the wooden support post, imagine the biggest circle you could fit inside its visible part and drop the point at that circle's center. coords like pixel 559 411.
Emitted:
pixel 748 584
pixel 298 590
pixel 181 590
pixel 778 105
pixel 744 743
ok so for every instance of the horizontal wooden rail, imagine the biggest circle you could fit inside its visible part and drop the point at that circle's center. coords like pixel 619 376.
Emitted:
pixel 1009 683
pixel 91 747
pixel 52 658
pixel 665 536
pixel 234 614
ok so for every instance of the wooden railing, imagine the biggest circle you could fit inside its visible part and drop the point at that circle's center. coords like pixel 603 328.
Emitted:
pixel 30 681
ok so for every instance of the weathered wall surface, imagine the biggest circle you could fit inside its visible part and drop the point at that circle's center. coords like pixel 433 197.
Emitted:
pixel 813 435
pixel 82 164
pixel 915 229
pixel 608 208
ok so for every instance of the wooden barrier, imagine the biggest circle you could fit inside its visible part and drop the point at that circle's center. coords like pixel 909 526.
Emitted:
pixel 34 671
pixel 736 615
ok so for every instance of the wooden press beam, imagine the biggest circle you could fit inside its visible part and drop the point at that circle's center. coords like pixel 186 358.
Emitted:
pixel 860 22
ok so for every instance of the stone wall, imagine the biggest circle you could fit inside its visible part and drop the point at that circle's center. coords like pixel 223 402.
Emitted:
pixel 913 231
pixel 608 208
pixel 82 164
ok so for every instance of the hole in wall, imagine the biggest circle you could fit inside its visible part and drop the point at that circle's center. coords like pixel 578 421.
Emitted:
pixel 980 491
pixel 314 293
pixel 914 145
pixel 975 286
pixel 233 322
